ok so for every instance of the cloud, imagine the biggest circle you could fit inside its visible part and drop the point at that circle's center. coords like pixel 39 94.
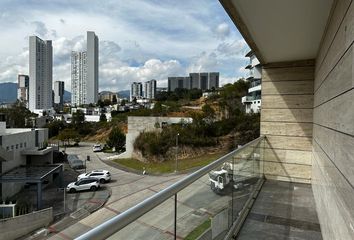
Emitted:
pixel 139 40
pixel 204 62
pixel 235 48
pixel 222 31
pixel 41 29
pixel 121 76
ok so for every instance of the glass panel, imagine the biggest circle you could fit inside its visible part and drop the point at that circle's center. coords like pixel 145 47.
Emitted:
pixel 156 224
pixel 209 206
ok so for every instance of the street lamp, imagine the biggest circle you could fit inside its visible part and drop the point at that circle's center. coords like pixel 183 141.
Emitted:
pixel 176 152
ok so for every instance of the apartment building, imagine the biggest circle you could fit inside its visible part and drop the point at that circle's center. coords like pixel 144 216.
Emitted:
pixel 40 73
pixel 22 88
pixel 150 89
pixel 136 90
pixel 253 100
pixel 58 95
pixel 84 73
pixel 203 81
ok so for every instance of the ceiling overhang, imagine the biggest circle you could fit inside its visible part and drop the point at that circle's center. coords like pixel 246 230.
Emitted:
pixel 281 30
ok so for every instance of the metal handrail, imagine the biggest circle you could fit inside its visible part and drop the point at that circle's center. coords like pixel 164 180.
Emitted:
pixel 118 222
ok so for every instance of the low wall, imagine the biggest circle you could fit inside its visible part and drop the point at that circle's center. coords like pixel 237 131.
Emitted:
pixel 12 228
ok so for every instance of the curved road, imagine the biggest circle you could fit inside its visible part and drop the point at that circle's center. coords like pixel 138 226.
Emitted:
pixel 195 204
pixel 127 189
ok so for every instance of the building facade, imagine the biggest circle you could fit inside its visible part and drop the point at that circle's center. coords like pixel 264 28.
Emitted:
pixel 84 73
pixel 21 146
pixel 40 73
pixel 78 78
pixel 253 100
pixel 203 81
pixel 58 95
pixel 23 88
pixel 150 89
pixel 92 68
pixel 136 90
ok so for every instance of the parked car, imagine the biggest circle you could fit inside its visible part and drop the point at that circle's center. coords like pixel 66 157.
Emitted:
pixel 97 148
pixel 101 175
pixel 75 162
pixel 83 184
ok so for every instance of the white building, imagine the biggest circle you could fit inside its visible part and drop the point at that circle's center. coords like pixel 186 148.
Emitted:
pixel 40 73
pixel 21 146
pixel 22 88
pixel 150 89
pixel 58 95
pixel 136 90
pixel 253 100
pixel 84 73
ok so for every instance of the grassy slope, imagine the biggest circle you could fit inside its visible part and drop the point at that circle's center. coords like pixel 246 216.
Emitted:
pixel 169 166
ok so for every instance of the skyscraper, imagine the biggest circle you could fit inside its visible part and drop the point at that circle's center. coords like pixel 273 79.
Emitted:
pixel 40 73
pixel 203 81
pixel 78 78
pixel 92 68
pixel 58 95
pixel 136 90
pixel 22 88
pixel 150 89
pixel 84 73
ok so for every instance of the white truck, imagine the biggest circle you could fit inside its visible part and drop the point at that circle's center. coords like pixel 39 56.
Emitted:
pixel 241 175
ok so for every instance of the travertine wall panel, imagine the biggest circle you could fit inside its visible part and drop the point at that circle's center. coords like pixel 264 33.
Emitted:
pixel 333 132
pixel 286 120
pixel 286 101
pixel 287 115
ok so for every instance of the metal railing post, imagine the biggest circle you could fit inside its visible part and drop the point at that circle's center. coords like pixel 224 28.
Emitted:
pixel 175 233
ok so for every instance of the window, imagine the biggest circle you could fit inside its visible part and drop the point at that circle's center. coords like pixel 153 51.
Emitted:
pixel 12 147
pixel 25 144
pixel 16 146
pixel 21 145
pixel 7 148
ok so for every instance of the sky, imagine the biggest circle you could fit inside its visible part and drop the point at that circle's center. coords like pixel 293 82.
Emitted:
pixel 139 40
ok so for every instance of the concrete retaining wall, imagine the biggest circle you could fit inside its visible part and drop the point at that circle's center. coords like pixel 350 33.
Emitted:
pixel 16 227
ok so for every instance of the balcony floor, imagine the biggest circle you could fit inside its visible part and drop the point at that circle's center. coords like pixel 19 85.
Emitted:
pixel 283 211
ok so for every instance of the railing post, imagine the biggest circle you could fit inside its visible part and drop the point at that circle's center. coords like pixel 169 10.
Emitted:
pixel 175 232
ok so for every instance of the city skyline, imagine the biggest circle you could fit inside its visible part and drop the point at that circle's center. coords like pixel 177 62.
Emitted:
pixel 171 39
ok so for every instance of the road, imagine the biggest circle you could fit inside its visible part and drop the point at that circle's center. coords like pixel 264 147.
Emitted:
pixel 196 203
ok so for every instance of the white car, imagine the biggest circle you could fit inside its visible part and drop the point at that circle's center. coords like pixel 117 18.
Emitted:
pixel 83 184
pixel 101 175
pixel 97 148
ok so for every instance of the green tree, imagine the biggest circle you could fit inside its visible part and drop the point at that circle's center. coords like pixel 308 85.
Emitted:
pixel 78 118
pixel 17 114
pixel 103 117
pixel 68 135
pixel 116 139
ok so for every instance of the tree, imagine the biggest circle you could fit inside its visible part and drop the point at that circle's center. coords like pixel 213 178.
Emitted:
pixel 78 118
pixel 103 117
pixel 116 139
pixel 17 115
pixel 67 135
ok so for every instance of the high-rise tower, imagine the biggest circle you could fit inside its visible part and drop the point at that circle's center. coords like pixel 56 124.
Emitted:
pixel 40 73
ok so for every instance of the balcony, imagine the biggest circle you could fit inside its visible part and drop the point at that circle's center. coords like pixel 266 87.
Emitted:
pixel 250 99
pixel 215 201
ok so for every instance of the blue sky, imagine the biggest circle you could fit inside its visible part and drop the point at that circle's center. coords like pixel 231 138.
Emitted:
pixel 139 40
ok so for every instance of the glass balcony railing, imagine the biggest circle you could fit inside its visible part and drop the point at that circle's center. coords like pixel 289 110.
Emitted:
pixel 212 201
